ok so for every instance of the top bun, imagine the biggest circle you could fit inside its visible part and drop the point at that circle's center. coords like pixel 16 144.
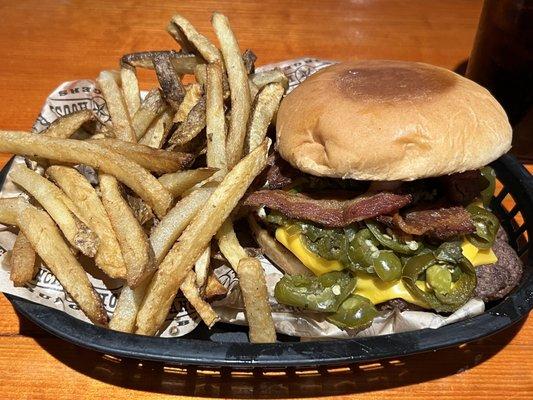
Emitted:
pixel 390 120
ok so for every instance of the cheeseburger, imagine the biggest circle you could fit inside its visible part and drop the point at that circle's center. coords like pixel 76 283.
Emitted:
pixel 380 192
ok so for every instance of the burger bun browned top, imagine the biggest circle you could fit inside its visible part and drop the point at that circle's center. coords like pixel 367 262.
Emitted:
pixel 390 120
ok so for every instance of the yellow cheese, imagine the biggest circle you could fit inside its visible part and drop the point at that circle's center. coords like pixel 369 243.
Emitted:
pixel 476 255
pixel 368 286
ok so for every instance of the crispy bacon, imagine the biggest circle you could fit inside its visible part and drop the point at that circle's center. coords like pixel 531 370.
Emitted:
pixel 330 213
pixel 439 223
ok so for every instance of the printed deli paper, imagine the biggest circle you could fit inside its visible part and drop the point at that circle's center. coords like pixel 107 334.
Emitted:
pixel 46 290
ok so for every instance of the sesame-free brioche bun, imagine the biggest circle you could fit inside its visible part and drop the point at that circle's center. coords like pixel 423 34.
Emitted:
pixel 390 120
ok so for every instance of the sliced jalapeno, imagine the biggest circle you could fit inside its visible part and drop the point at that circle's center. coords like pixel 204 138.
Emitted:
pixel 360 249
pixel 387 265
pixel 322 293
pixel 356 312
pixel 487 193
pixel 392 243
pixel 486 225
pixel 439 278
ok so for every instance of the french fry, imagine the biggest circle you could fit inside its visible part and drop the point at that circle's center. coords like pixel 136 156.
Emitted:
pixel 130 90
pixel 192 126
pixel 249 58
pixel 181 258
pixel 89 206
pixel 9 209
pixel 201 267
pixel 169 80
pixel 265 106
pixel 85 152
pixel 215 119
pixel 197 41
pixel 168 230
pixel 200 73
pixel 23 265
pixel 204 309
pixel 179 182
pixel 142 211
pixel 47 241
pixel 128 304
pixel 134 244
pixel 214 289
pixel 157 133
pixel 66 126
pixel 152 107
pixel 229 245
pixel 184 63
pixel 263 78
pixel 193 92
pixel 274 251
pixel 254 292
pixel 239 89
pixel 155 160
pixel 59 206
pixel 116 105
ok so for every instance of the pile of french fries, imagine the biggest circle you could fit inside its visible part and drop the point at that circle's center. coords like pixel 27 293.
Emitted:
pixel 171 170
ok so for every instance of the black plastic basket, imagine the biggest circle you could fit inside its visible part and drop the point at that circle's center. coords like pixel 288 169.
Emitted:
pixel 227 345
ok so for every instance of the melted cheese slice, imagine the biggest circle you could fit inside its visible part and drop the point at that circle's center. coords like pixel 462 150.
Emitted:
pixel 368 285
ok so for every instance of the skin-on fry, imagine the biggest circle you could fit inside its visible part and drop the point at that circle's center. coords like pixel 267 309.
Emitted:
pixel 84 152
pixel 130 89
pixel 179 182
pixel 265 106
pixel 204 309
pixel 215 119
pixel 142 212
pixel 263 78
pixel 89 206
pixel 23 265
pixel 249 58
pixel 254 293
pixel 192 126
pixel 127 307
pixel 59 206
pixel 201 267
pixel 194 240
pixel 184 62
pixel 214 290
pixel 193 92
pixel 152 107
pixel 169 80
pixel 47 241
pixel 9 209
pixel 116 106
pixel 240 91
pixel 134 243
pixel 165 234
pixel 200 73
pixel 275 252
pixel 229 245
pixel 157 132
pixel 66 126
pixel 155 160
pixel 197 41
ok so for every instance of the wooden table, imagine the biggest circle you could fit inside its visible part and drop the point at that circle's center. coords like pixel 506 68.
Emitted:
pixel 47 42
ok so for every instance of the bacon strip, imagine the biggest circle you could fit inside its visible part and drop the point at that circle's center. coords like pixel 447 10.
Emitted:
pixel 330 213
pixel 440 223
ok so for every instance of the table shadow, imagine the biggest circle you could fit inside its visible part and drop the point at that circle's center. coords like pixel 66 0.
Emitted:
pixel 291 382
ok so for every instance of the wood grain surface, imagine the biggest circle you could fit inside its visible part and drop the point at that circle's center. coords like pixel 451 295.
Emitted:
pixel 47 42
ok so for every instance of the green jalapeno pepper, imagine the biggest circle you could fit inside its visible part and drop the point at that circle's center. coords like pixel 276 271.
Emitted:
pixel 356 312
pixel 392 243
pixel 458 294
pixel 486 225
pixel 387 265
pixel 321 293
pixel 487 193
pixel 361 246
pixel 439 278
